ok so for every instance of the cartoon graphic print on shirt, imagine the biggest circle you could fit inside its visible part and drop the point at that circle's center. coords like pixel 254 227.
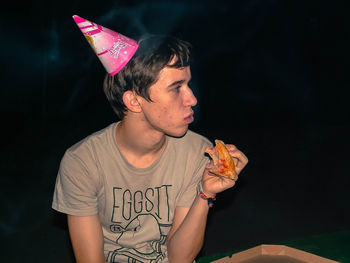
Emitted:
pixel 141 221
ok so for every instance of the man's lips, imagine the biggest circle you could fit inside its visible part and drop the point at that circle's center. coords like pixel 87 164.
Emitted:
pixel 189 118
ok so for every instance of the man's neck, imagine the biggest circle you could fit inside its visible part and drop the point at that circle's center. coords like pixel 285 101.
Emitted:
pixel 140 146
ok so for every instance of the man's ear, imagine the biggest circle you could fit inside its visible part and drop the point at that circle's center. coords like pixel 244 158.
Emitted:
pixel 131 102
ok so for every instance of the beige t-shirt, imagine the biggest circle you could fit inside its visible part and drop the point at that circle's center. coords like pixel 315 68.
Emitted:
pixel 135 206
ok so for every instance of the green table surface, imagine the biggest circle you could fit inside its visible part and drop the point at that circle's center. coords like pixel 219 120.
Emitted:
pixel 335 246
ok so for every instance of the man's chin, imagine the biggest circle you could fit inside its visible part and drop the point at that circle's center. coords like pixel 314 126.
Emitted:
pixel 178 134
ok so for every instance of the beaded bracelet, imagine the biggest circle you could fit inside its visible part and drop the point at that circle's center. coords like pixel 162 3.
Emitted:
pixel 204 197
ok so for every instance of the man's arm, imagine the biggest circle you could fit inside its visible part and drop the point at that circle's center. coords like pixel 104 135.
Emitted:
pixel 186 236
pixel 87 238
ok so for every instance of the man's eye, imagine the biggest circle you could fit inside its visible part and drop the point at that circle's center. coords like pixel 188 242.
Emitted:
pixel 177 89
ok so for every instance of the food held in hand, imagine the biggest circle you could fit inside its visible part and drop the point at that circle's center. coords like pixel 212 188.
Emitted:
pixel 222 160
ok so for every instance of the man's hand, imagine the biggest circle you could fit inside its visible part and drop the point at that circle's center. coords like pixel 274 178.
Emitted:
pixel 213 184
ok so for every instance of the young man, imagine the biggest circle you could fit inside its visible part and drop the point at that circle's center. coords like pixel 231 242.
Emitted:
pixel 130 190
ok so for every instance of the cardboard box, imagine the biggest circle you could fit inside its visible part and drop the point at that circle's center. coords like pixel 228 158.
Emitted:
pixel 272 254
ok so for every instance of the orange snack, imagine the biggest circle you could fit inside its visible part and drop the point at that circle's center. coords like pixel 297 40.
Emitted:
pixel 223 162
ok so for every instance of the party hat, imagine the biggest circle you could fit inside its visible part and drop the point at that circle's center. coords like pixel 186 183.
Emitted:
pixel 113 49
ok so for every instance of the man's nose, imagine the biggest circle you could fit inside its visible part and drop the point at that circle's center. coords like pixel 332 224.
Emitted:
pixel 190 99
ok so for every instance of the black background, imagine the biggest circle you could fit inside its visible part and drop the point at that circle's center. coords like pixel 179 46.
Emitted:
pixel 271 77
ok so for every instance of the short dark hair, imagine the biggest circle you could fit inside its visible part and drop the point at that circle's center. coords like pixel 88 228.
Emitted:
pixel 142 71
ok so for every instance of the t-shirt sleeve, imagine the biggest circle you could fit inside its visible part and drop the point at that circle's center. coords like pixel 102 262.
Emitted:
pixel 76 187
pixel 197 165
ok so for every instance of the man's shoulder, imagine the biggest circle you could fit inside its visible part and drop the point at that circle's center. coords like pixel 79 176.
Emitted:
pixel 192 141
pixel 91 141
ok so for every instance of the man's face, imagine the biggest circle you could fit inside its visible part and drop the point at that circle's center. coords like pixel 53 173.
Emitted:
pixel 170 111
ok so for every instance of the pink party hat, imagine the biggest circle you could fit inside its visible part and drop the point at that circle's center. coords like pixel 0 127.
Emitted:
pixel 113 49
